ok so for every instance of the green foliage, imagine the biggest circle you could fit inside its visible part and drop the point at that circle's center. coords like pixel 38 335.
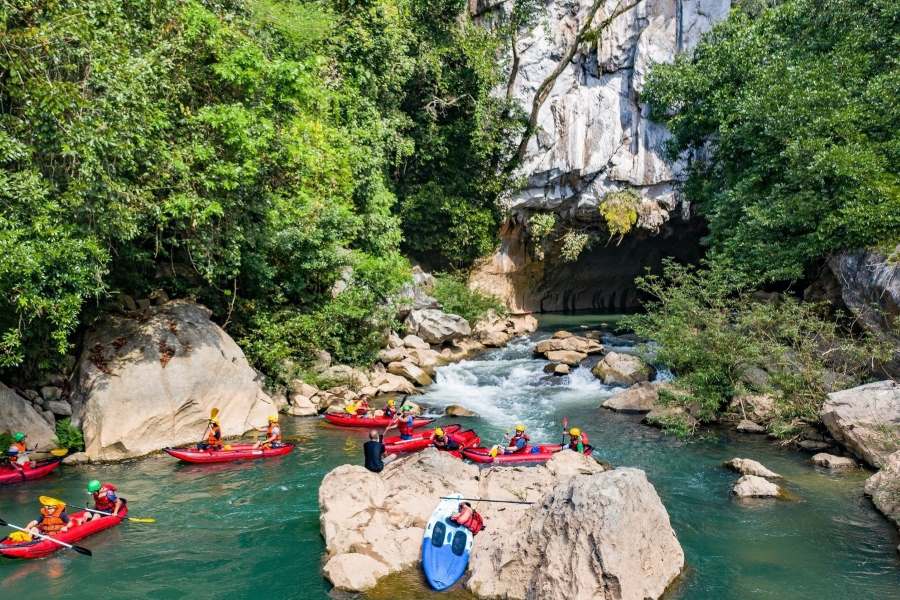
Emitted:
pixel 619 210
pixel 573 244
pixel 458 299
pixel 789 111
pixel 541 225
pixel 69 436
pixel 710 331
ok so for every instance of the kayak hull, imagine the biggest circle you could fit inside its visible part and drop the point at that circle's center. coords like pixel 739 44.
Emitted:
pixel 237 452
pixel 445 546
pixel 39 548
pixel 357 421
pixel 39 469
pixel 423 439
pixel 531 454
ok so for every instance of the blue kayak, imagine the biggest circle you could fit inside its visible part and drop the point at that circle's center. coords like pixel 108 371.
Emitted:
pixel 446 546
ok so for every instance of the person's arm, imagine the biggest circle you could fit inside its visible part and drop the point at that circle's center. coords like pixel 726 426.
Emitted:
pixel 117 507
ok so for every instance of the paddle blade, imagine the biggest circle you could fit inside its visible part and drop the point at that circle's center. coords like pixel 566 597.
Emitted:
pixel 59 452
pixel 213 414
pixel 142 519
pixel 82 550
pixel 3 523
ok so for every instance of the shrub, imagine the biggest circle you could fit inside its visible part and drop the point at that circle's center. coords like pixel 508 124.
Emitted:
pixel 68 436
pixel 573 244
pixel 541 225
pixel 619 210
pixel 457 298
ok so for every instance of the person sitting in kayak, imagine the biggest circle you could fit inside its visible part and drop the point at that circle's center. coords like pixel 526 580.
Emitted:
pixel 213 436
pixel 577 440
pixel 350 408
pixel 362 406
pixel 403 422
pixel 273 435
pixel 53 519
pixel 18 452
pixel 105 500
pixel 468 517
pixel 518 442
pixel 441 441
pixel 390 409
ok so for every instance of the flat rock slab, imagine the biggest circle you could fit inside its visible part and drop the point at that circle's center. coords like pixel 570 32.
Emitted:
pixel 748 466
pixel 830 461
pixel 865 419
pixel 747 426
pixel 751 486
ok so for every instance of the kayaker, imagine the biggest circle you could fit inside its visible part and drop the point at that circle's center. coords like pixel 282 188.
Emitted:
pixel 468 517
pixel 362 406
pixel 441 441
pixel 374 451
pixel 403 422
pixel 213 436
pixel 18 451
pixel 105 499
pixel 518 442
pixel 273 435
pixel 390 408
pixel 577 439
pixel 53 519
pixel 350 408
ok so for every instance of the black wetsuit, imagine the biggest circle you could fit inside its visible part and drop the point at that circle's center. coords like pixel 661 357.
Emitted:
pixel 374 451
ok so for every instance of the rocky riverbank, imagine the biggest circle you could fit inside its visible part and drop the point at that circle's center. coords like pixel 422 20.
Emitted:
pixel 590 532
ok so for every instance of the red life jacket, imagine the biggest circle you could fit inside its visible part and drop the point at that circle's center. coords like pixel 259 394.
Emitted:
pixel 51 521
pixel 101 500
pixel 476 523
pixel 405 426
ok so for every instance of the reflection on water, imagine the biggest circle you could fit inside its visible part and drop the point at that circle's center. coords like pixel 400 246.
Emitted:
pixel 251 529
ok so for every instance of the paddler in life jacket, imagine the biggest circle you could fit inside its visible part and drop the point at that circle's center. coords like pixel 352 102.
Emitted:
pixel 577 440
pixel 213 436
pixel 403 422
pixel 468 517
pixel 390 409
pixel 273 435
pixel 362 406
pixel 442 441
pixel 17 451
pixel 518 442
pixel 53 519
pixel 105 500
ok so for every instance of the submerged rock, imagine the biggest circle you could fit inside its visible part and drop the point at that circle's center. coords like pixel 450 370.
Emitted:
pixel 17 414
pixel 746 426
pixel 455 410
pixel 588 530
pixel 747 466
pixel 752 486
pixel 150 381
pixel 622 369
pixel 865 419
pixel 566 357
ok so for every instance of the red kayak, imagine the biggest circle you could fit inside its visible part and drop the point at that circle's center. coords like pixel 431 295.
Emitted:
pixel 531 454
pixel 38 547
pixel 422 439
pixel 343 420
pixel 34 470
pixel 234 452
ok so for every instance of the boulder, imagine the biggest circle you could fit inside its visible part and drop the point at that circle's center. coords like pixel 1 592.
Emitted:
pixel 345 375
pixel 60 408
pixel 572 343
pixel 747 466
pixel 566 357
pixel 639 398
pixel 751 486
pixel 830 461
pixel 426 359
pixel 436 327
pixel 622 369
pixel 298 386
pixel 455 410
pixel 388 383
pixel 301 406
pixel 494 339
pixel 322 361
pixel 747 426
pixel 17 414
pixel 51 393
pixel 884 488
pixel 663 416
pixel 78 458
pixel 561 369
pixel 394 341
pixel 389 355
pixel 410 371
pixel 587 529
pixel 414 341
pixel 756 378
pixel 461 350
pixel 50 418
pixel 562 335
pixel 150 381
pixel 523 324
pixel 866 420
pixel 759 408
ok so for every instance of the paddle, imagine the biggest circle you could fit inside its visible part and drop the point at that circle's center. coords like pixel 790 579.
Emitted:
pixel 78 549
pixel 59 452
pixel 109 514
pixel 212 415
pixel 485 500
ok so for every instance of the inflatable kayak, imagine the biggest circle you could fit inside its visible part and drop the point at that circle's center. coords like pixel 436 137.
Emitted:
pixel 531 454
pixel 34 470
pixel 422 439
pixel 343 420
pixel 445 546
pixel 234 452
pixel 39 547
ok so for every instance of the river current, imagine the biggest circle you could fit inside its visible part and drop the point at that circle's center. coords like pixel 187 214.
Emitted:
pixel 251 530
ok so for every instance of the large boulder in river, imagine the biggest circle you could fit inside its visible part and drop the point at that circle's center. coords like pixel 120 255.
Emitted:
pixel 18 414
pixel 436 327
pixel 565 341
pixel 884 488
pixel 622 369
pixel 601 534
pixel 753 486
pixel 748 466
pixel 639 398
pixel 150 381
pixel 865 419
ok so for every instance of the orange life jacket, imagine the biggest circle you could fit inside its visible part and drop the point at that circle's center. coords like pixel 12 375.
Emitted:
pixel 52 520
pixel 21 446
pixel 269 432
pixel 215 436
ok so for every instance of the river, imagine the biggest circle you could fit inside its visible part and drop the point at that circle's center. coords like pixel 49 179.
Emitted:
pixel 250 530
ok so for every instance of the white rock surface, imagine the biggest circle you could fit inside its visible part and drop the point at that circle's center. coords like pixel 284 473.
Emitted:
pixel 17 414
pixel 865 419
pixel 410 371
pixel 436 327
pixel 149 382
pixel 639 398
pixel 830 461
pixel 748 466
pixel 621 369
pixel 751 486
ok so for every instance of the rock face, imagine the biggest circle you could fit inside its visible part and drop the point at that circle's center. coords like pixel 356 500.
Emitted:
pixel 870 288
pixel 601 534
pixel 747 466
pixel 622 369
pixel 884 488
pixel 751 486
pixel 759 408
pixel 455 410
pixel 639 398
pixel 865 419
pixel 436 327
pixel 17 414
pixel 149 382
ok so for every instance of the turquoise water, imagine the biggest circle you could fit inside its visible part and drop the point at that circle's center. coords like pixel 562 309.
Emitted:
pixel 250 530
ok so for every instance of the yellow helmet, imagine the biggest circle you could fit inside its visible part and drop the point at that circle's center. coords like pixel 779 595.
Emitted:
pixel 273 418
pixel 48 501
pixel 520 427
pixel 574 431
pixel 391 402
pixel 438 431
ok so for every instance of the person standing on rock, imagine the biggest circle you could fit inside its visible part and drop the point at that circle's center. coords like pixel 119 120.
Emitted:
pixel 374 451
pixel 273 435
